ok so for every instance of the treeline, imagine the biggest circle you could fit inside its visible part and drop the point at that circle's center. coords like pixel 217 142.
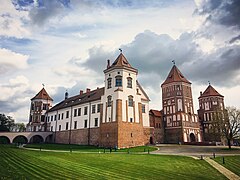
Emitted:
pixel 7 124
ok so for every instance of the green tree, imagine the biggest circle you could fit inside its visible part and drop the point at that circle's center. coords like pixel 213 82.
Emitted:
pixel 6 123
pixel 19 127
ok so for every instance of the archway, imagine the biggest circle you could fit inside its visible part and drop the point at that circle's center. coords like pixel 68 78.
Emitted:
pixel 4 140
pixel 49 139
pixel 151 140
pixel 36 139
pixel 20 139
pixel 192 138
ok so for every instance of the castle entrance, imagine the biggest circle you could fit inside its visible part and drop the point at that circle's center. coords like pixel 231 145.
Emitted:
pixel 192 138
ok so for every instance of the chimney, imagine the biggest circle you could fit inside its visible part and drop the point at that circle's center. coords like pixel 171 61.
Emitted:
pixel 200 93
pixel 108 63
pixel 66 95
pixel 81 92
pixel 88 90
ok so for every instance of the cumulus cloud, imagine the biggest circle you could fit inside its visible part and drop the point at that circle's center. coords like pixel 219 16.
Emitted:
pixel 16 97
pixel 11 61
pixel 152 54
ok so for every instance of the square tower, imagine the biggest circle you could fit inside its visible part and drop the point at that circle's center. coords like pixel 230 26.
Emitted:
pixel 181 124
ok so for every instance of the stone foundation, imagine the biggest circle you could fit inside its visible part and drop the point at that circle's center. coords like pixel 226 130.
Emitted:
pixel 78 136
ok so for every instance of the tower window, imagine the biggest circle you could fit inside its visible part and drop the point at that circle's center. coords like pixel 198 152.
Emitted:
pixel 118 81
pixel 143 108
pixel 109 101
pixel 130 101
pixel 129 82
pixel 109 83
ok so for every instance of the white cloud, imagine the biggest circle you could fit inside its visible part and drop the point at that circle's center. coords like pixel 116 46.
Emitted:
pixel 11 60
pixel 11 21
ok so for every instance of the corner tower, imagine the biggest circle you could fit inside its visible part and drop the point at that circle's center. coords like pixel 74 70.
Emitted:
pixel 211 103
pixel 181 124
pixel 39 106
pixel 124 101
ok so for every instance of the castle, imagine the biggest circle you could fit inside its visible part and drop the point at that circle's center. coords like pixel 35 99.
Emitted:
pixel 118 115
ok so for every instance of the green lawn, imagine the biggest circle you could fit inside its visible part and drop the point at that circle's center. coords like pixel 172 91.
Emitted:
pixel 27 164
pixel 67 147
pixel 231 162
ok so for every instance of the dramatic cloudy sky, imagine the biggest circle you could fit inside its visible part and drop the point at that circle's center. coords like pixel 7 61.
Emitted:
pixel 65 44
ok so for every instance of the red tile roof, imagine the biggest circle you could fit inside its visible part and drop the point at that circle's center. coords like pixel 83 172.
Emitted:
pixel 42 95
pixel 156 112
pixel 121 62
pixel 210 91
pixel 175 76
pixel 79 99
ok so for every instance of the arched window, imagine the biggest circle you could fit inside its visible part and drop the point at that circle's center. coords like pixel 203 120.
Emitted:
pixel 109 83
pixel 130 101
pixel 109 101
pixel 118 81
pixel 129 82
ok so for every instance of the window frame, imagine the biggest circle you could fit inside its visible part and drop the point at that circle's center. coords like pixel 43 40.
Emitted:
pixel 118 81
pixel 129 82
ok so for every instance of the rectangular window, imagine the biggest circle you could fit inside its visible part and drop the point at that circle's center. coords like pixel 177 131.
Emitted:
pixel 51 118
pixel 143 108
pixel 131 119
pixel 118 81
pixel 75 112
pixel 44 106
pixel 66 125
pixel 129 82
pixel 85 123
pixel 59 116
pixel 93 109
pixel 55 117
pixel 75 124
pixel 130 101
pixel 62 115
pixel 67 114
pixel 98 108
pixel 51 128
pixel 96 122
pixel 59 127
pixel 85 110
pixel 109 83
pixel 79 111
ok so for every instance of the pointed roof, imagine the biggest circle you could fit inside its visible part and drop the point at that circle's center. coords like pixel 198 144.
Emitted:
pixel 175 76
pixel 121 62
pixel 210 91
pixel 42 95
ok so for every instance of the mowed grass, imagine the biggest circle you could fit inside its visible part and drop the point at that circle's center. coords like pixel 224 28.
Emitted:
pixel 231 162
pixel 27 164
pixel 82 148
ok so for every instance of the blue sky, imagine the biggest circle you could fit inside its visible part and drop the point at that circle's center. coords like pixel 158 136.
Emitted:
pixel 65 44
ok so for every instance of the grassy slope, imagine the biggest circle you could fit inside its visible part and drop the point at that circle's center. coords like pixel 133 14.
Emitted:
pixel 21 164
pixel 66 147
pixel 231 162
